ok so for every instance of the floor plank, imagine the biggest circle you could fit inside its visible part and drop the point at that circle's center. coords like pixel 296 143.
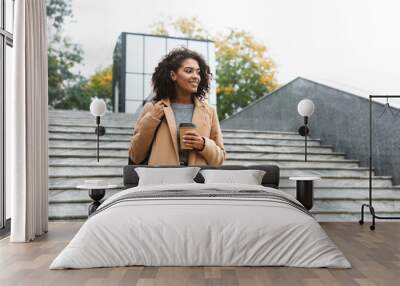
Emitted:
pixel 374 255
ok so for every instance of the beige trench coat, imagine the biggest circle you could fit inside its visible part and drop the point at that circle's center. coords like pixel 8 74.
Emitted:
pixel 165 146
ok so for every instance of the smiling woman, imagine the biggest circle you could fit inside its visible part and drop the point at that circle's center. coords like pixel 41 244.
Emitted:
pixel 180 83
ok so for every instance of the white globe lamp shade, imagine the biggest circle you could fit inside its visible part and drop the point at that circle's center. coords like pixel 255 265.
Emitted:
pixel 305 107
pixel 98 107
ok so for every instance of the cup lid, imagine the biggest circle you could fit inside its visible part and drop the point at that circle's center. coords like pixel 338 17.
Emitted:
pixel 186 124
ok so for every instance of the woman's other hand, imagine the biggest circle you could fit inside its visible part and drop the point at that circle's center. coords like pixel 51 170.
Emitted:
pixel 157 111
pixel 194 140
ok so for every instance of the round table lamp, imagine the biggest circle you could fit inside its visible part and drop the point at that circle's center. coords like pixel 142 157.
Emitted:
pixel 98 108
pixel 305 108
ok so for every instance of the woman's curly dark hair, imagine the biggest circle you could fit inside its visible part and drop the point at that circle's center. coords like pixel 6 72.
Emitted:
pixel 164 86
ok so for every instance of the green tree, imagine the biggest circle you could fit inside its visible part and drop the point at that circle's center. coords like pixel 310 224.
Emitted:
pixel 57 12
pixel 181 27
pixel 245 71
pixel 75 96
pixel 63 56
pixel 80 94
pixel 100 85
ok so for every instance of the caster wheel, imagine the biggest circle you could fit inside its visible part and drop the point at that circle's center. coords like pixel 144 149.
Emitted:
pixel 372 227
pixel 361 222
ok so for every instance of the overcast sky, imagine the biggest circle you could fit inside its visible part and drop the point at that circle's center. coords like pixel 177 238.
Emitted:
pixel 350 44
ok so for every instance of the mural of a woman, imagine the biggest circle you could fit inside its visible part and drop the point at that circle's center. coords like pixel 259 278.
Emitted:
pixel 180 83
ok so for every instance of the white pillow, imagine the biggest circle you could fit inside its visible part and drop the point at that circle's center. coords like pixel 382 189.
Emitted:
pixel 249 177
pixel 163 176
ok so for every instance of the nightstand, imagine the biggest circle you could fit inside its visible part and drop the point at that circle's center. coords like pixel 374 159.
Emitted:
pixel 96 193
pixel 305 190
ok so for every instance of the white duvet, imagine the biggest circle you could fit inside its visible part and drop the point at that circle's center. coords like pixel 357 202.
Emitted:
pixel 185 231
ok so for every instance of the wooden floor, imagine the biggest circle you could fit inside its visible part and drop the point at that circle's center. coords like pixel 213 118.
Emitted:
pixel 375 257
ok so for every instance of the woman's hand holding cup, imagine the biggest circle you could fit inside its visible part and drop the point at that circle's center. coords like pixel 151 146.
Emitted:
pixel 193 140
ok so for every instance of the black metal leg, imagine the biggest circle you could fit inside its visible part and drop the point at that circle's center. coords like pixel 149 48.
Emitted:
pixel 361 221
pixel 372 210
pixel 374 216
pixel 96 195
pixel 305 193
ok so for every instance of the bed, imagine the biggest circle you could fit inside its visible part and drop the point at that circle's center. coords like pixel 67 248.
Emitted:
pixel 201 224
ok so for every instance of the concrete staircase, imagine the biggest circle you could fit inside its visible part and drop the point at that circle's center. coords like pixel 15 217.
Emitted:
pixel 338 196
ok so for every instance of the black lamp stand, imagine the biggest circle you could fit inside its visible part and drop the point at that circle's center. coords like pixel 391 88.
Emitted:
pixel 100 131
pixel 304 131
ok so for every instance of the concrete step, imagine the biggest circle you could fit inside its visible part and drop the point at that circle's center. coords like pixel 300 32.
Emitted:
pixel 347 182
pixel 89 137
pixel 256 132
pixel 62 122
pixel 267 147
pixel 89 130
pixel 285 155
pixel 87 144
pixel 68 211
pixel 354 206
pixel 277 147
pixel 75 195
pixel 91 122
pixel 77 130
pixel 59 115
pixel 296 163
pixel 61 183
pixel 122 152
pixel 339 173
pixel 334 194
pixel 227 140
pixel 338 194
pixel 290 163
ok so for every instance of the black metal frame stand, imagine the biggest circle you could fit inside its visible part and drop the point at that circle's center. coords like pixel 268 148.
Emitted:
pixel 369 205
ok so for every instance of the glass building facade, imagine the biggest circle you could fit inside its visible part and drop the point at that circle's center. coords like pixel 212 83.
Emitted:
pixel 135 58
